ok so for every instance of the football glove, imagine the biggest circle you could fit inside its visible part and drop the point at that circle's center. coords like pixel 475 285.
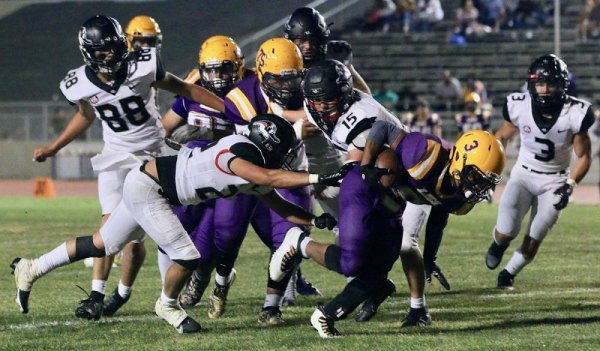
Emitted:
pixel 325 221
pixel 563 193
pixel 340 50
pixel 371 174
pixel 335 178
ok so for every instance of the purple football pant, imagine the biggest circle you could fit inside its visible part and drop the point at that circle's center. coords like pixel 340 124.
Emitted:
pixel 370 237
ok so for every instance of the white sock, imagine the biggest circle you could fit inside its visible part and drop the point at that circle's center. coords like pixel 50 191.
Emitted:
pixel 516 263
pixel 164 262
pixel 53 259
pixel 99 286
pixel 303 244
pixel 123 290
pixel 223 280
pixel 417 302
pixel 272 300
pixel 167 300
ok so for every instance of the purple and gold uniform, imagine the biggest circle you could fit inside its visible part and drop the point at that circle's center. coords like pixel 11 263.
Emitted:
pixel 242 103
pixel 426 160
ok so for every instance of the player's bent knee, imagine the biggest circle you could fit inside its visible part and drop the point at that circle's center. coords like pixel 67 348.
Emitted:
pixel 189 264
pixel 84 248
pixel 408 250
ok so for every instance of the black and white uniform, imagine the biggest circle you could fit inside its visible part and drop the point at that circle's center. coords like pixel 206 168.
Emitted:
pixel 131 129
pixel 542 165
pixel 191 177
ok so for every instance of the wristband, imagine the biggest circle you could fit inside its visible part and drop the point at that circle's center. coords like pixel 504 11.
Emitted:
pixel 313 178
pixel 312 221
pixel 572 183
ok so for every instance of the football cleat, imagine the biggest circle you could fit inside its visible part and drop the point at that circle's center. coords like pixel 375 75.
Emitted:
pixel 92 307
pixel 177 317
pixel 114 302
pixel 89 309
pixel 287 255
pixel 270 316
pixel 218 298
pixel 505 280
pixel 24 272
pixel 371 304
pixel 432 269
pixel 494 255
pixel 305 288
pixel 193 291
pixel 417 317
pixel 324 324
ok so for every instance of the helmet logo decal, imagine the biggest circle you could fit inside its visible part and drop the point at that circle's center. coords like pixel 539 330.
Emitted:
pixel 472 146
pixel 261 59
pixel 268 130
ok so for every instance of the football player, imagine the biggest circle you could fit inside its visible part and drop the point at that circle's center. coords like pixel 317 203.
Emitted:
pixel 276 85
pixel 236 164
pixel 551 125
pixel 141 32
pixel 427 172
pixel 220 67
pixel 345 116
pixel 118 87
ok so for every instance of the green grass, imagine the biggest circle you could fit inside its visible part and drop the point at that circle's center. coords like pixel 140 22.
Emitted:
pixel 555 304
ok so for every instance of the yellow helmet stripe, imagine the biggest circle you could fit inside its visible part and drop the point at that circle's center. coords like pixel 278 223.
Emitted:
pixel 421 169
pixel 242 103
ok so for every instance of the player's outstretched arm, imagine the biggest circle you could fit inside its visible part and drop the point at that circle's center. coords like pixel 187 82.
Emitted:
pixel 506 131
pixel 197 93
pixel 80 122
pixel 294 213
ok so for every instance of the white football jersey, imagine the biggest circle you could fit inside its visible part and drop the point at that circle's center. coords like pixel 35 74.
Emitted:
pixel 359 118
pixel 203 173
pixel 127 109
pixel 546 149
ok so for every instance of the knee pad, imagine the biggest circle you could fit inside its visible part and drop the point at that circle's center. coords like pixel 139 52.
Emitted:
pixel 84 248
pixel 189 264
pixel 332 258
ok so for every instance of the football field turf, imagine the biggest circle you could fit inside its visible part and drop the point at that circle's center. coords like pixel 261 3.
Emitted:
pixel 555 304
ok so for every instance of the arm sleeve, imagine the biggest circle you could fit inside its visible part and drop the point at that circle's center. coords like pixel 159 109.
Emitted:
pixel 505 114
pixel 383 133
pixel 179 106
pixel 160 69
pixel 588 120
pixel 248 152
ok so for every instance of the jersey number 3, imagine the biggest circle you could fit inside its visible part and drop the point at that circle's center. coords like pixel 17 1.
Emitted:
pixel 133 108
pixel 545 154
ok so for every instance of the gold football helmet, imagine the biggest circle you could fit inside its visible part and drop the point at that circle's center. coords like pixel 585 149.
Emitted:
pixel 476 164
pixel 221 64
pixel 143 31
pixel 280 68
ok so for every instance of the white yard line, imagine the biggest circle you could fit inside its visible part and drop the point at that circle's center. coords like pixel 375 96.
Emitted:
pixel 49 324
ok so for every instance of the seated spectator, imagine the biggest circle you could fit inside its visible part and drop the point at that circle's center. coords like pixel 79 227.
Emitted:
pixel 467 20
pixel 473 117
pixel 422 120
pixel 380 16
pixel 589 21
pixel 428 13
pixel 491 13
pixel 406 99
pixel 448 92
pixel 406 10
pixel 474 85
pixel 388 98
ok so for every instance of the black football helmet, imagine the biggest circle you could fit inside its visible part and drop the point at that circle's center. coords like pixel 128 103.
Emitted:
pixel 307 23
pixel 553 71
pixel 276 139
pixel 103 44
pixel 328 92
